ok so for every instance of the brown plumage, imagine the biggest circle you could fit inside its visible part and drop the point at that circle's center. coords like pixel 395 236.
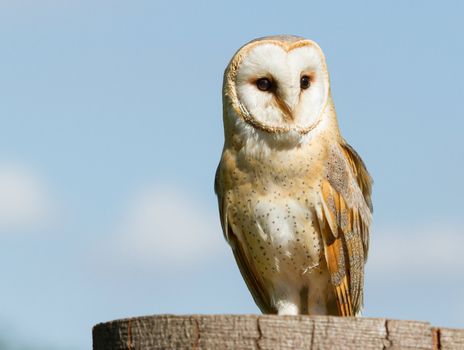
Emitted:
pixel 294 197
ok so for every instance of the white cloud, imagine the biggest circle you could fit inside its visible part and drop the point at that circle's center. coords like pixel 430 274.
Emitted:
pixel 25 203
pixel 165 227
pixel 417 251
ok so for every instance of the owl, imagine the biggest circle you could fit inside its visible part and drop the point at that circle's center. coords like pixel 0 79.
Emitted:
pixel 294 197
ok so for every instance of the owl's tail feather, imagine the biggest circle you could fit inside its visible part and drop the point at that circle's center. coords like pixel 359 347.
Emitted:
pixel 343 299
pixel 336 266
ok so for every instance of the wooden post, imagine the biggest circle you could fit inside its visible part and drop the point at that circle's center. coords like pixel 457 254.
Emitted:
pixel 271 332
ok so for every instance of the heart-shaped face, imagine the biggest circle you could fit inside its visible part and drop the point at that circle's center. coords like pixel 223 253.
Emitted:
pixel 278 84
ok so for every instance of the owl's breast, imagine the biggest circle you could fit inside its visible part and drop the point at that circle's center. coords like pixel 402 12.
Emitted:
pixel 277 227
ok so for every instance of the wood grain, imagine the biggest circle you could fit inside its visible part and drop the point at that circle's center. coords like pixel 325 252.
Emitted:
pixel 266 332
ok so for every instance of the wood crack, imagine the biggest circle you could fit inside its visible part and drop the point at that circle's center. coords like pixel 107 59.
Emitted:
pixel 313 335
pixel 436 338
pixel 260 333
pixel 196 343
pixel 388 342
pixel 129 336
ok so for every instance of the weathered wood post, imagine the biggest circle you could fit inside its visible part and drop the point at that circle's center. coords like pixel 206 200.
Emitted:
pixel 271 332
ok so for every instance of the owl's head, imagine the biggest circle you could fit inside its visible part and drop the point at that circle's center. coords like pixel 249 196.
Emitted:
pixel 277 87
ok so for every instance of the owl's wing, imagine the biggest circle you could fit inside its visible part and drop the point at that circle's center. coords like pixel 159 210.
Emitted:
pixel 344 218
pixel 248 271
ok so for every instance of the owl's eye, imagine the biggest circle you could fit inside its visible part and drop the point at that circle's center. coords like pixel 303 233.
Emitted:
pixel 264 84
pixel 305 82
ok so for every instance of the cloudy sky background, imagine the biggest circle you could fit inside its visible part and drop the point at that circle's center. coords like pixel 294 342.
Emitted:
pixel 111 130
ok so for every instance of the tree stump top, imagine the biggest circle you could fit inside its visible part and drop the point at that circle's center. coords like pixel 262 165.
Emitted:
pixel 262 332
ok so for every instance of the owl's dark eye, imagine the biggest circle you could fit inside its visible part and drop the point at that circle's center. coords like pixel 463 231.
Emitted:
pixel 264 84
pixel 305 82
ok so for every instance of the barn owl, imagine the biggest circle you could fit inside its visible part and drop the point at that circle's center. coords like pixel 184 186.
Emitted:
pixel 294 197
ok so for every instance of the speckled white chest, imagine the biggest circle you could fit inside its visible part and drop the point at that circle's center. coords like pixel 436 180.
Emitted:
pixel 275 221
pixel 279 234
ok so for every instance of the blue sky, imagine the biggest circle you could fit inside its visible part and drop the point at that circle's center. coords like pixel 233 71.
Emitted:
pixel 111 130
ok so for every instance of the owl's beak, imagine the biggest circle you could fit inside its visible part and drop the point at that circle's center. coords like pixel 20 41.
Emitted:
pixel 285 108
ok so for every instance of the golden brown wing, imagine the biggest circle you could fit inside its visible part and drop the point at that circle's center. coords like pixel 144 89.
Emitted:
pixel 248 271
pixel 251 277
pixel 344 219
pixel 360 172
